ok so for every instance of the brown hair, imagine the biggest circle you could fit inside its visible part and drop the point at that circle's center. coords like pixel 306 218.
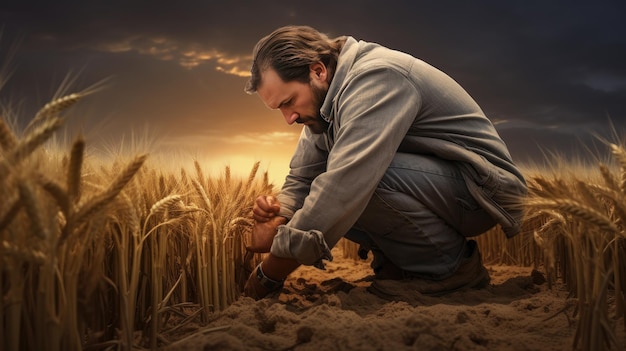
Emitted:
pixel 290 51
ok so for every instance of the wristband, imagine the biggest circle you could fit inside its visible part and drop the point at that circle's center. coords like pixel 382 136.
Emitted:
pixel 267 283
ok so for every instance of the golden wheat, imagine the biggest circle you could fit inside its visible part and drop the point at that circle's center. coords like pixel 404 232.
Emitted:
pixel 620 155
pixel 74 170
pixel 581 231
pixel 151 246
pixel 608 177
pixel 585 213
pixel 25 254
pixel 26 146
pixel 31 205
pixel 54 107
pixel 7 137
pixel 56 191
pixel 164 204
pixel 97 202
pixel 11 211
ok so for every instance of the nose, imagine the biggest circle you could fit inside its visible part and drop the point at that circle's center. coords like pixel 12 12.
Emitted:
pixel 290 117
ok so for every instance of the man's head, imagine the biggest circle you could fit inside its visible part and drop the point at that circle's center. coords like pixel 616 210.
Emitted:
pixel 291 71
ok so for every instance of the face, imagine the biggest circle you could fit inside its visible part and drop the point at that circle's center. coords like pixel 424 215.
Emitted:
pixel 298 102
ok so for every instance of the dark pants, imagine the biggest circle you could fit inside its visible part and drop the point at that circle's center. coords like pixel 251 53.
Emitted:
pixel 419 217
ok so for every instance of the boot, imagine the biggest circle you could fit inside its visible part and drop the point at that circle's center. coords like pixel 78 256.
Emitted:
pixel 471 274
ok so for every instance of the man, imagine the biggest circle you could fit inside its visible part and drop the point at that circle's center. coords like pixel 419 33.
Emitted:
pixel 395 156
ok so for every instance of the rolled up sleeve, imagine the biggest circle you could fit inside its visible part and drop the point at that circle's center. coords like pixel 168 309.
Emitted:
pixel 306 247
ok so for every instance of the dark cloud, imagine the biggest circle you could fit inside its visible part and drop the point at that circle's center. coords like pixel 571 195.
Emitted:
pixel 532 63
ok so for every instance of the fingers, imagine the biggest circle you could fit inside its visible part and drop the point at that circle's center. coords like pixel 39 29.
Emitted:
pixel 271 204
pixel 265 208
pixel 260 215
pixel 263 234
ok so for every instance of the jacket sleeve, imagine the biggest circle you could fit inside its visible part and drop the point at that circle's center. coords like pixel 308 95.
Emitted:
pixel 308 161
pixel 373 113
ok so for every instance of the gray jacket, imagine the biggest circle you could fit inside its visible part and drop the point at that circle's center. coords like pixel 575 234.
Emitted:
pixel 381 101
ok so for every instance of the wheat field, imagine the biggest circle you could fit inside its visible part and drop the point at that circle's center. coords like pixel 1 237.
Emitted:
pixel 574 231
pixel 122 254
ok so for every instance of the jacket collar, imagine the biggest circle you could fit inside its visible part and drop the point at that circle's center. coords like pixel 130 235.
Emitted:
pixel 344 64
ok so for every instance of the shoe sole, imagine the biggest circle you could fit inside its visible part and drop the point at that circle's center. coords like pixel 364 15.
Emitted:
pixel 378 287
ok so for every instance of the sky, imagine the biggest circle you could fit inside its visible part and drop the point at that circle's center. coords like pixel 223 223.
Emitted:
pixel 551 75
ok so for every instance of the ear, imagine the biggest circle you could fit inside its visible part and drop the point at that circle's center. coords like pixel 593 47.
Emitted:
pixel 318 71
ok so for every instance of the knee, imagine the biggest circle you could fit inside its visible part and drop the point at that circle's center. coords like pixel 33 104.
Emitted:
pixel 388 211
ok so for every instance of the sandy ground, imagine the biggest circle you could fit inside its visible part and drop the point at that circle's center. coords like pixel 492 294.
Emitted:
pixel 332 310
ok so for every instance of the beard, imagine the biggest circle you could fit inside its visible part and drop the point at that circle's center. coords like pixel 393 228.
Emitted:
pixel 318 125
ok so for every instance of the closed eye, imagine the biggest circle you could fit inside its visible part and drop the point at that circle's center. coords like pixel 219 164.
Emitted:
pixel 285 103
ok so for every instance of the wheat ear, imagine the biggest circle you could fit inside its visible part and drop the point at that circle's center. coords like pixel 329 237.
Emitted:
pixel 7 217
pixel 54 107
pixel 57 192
pixel 164 204
pixel 608 177
pixel 551 223
pixel 116 186
pixel 129 209
pixel 199 173
pixel 32 209
pixel 587 195
pixel 183 181
pixel 241 221
pixel 266 179
pixel 616 198
pixel 542 187
pixel 30 143
pixel 253 172
pixel 203 195
pixel 576 209
pixel 7 138
pixel 619 153
pixel 29 255
pixel 74 170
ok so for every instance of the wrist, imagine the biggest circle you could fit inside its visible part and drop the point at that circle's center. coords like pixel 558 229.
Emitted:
pixel 268 283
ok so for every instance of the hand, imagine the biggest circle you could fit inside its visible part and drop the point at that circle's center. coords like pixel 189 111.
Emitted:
pixel 265 208
pixel 266 220
pixel 263 234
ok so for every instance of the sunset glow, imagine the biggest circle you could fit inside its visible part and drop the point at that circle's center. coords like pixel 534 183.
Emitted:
pixel 179 73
